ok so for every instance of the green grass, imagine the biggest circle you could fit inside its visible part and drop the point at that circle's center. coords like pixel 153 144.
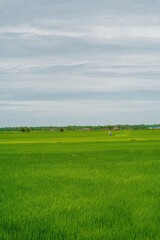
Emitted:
pixel 80 185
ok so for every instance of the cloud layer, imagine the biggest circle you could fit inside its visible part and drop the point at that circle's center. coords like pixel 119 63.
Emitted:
pixel 79 62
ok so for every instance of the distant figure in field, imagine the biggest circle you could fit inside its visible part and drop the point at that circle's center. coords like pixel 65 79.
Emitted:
pixel 110 133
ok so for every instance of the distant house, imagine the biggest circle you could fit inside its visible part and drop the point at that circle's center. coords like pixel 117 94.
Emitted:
pixel 116 128
pixel 154 127
pixel 86 129
pixel 52 129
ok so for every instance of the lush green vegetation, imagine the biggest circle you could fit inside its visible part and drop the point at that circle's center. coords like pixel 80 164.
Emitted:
pixel 74 128
pixel 80 185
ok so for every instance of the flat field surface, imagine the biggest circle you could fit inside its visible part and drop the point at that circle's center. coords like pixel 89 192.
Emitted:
pixel 80 185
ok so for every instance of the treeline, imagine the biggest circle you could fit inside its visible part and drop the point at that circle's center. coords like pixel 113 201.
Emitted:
pixel 74 128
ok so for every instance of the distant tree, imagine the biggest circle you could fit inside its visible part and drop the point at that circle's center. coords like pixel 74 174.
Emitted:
pixel 27 129
pixel 110 127
pixel 23 129
pixel 61 129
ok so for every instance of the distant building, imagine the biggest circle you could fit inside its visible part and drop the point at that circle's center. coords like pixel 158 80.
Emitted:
pixel 116 128
pixel 52 129
pixel 86 129
pixel 154 127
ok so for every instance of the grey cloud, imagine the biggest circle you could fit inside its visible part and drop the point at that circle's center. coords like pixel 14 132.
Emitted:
pixel 84 55
pixel 77 95
pixel 80 113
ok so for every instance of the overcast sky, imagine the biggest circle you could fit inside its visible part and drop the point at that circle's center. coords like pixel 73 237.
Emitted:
pixel 79 62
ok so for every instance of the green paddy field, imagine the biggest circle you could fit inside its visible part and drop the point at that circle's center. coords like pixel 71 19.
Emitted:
pixel 80 185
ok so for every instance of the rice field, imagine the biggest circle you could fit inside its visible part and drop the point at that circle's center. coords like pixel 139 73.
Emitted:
pixel 80 185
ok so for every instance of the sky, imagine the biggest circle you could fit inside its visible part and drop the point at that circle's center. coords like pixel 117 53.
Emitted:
pixel 79 62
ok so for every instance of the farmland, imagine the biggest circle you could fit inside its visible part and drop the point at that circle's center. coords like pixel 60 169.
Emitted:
pixel 79 185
